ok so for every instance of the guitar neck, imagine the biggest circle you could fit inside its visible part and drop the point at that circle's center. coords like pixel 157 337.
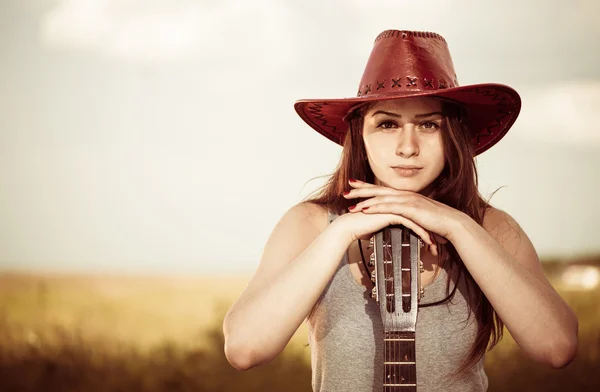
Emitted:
pixel 400 369
pixel 398 287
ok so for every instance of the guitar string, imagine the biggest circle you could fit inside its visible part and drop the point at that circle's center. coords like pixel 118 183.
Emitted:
pixel 386 241
pixel 388 257
pixel 390 274
pixel 391 307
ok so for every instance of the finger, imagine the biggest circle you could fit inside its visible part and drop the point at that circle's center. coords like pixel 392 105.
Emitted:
pixel 370 191
pixel 360 184
pixel 434 250
pixel 380 191
pixel 418 230
pixel 387 205
pixel 388 209
pixel 381 199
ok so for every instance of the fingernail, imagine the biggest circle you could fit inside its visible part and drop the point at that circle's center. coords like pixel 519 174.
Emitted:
pixel 365 208
pixel 352 207
pixel 353 180
pixel 346 193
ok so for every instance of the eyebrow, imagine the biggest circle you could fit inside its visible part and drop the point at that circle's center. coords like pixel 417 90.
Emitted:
pixel 400 116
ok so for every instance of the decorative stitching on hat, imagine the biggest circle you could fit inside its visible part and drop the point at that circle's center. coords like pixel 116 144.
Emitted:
pixel 316 115
pixel 412 81
pixel 501 102
pixel 405 34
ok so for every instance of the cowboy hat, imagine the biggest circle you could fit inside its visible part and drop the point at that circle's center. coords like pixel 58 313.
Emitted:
pixel 417 64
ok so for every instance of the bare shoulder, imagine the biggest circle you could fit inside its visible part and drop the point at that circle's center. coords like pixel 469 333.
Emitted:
pixel 306 216
pixel 295 231
pixel 501 225
pixel 508 233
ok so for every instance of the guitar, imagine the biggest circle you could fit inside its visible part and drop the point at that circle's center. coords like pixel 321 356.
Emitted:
pixel 398 289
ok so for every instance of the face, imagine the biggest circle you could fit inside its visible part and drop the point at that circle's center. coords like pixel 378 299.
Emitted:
pixel 403 140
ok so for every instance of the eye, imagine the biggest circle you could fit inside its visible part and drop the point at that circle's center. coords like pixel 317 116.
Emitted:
pixel 387 124
pixel 429 126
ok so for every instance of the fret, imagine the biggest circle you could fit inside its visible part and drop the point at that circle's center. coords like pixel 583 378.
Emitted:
pixel 398 340
pixel 399 385
pixel 399 363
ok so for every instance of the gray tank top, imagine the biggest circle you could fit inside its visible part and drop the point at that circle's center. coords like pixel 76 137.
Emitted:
pixel 345 334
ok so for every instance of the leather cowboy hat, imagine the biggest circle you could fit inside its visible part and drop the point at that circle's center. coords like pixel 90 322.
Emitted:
pixel 417 64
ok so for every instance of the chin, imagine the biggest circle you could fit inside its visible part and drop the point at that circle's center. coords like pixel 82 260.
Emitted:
pixel 404 184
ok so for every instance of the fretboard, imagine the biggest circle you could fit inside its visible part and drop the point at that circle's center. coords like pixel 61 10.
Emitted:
pixel 400 370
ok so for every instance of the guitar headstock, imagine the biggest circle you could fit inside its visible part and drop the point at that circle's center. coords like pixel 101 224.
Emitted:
pixel 397 276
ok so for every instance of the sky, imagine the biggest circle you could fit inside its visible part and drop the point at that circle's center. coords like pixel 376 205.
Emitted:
pixel 160 136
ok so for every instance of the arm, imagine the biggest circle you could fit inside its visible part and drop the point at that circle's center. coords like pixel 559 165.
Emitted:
pixel 505 265
pixel 299 258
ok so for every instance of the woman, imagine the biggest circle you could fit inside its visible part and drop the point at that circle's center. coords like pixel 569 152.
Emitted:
pixel 409 141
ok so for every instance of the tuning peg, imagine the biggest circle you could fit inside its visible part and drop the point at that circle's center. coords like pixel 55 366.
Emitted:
pixel 371 243
pixel 373 276
pixel 421 243
pixel 374 293
pixel 421 268
pixel 372 260
pixel 422 292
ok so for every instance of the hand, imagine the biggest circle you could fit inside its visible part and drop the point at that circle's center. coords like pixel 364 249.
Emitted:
pixel 361 225
pixel 419 211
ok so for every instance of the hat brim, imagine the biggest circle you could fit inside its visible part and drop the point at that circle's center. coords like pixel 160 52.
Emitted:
pixel 493 109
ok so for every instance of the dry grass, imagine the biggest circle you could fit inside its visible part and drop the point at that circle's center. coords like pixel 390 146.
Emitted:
pixel 73 333
pixel 142 310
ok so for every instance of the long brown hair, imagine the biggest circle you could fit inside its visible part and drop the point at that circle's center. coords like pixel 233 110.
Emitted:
pixel 456 187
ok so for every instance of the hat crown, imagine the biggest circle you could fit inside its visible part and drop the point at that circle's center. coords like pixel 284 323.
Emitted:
pixel 407 61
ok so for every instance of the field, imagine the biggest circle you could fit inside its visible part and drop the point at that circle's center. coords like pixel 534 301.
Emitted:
pixel 115 333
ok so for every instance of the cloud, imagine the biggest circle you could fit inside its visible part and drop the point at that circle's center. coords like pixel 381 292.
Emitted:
pixel 161 30
pixel 546 39
pixel 561 113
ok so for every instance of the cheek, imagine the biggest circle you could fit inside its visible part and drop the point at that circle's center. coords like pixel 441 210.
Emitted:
pixel 440 161
pixel 378 147
pixel 436 156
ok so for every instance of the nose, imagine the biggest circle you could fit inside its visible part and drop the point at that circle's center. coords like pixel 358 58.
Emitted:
pixel 407 141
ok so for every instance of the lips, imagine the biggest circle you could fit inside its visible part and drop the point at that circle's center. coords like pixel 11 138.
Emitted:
pixel 407 171
pixel 406 167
